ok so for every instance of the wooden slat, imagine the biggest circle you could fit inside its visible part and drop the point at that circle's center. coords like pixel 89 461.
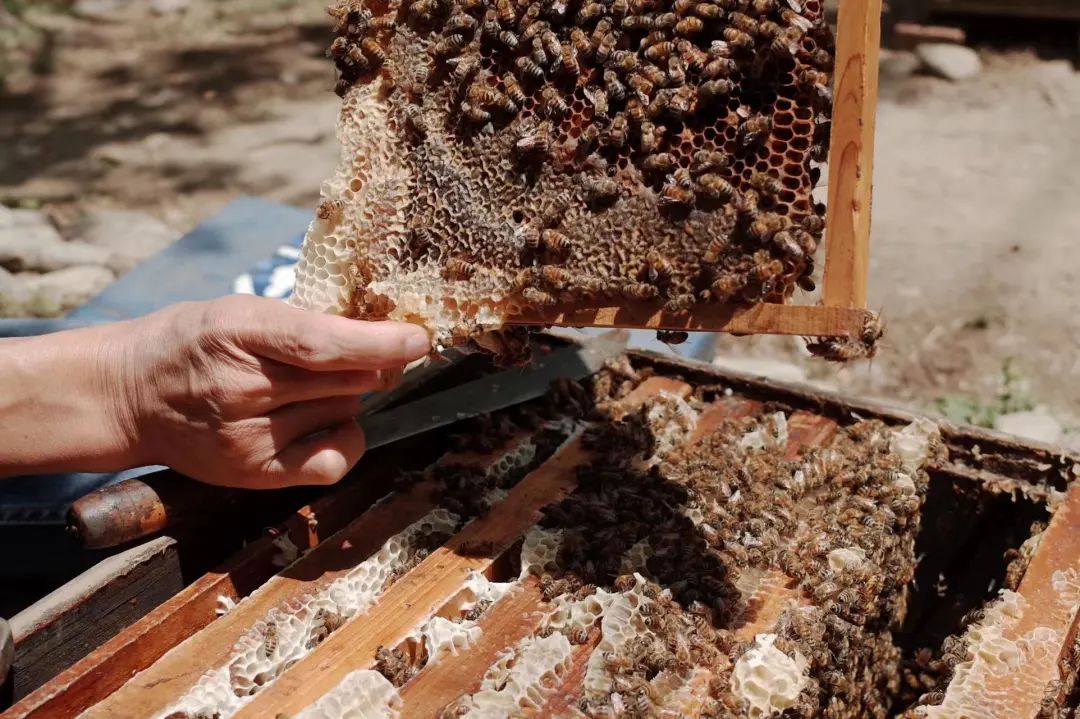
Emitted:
pixel 152 690
pixel 104 670
pixel 851 154
pixel 809 320
pixel 510 620
pixel 1020 693
pixel 72 621
pixel 435 581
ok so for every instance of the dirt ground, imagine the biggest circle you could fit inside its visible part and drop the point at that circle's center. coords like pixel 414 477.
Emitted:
pixel 975 205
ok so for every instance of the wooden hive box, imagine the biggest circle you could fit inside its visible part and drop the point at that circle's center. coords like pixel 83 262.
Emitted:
pixel 977 502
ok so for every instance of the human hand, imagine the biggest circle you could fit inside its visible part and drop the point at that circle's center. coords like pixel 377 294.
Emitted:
pixel 249 392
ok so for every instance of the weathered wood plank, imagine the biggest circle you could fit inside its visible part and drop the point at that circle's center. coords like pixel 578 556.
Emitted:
pixel 510 620
pixel 435 581
pixel 72 621
pixel 765 318
pixel 851 155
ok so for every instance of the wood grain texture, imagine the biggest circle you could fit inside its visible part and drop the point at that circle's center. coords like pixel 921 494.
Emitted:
pixel 510 620
pixel 809 320
pixel 436 581
pixel 1050 608
pixel 72 621
pixel 851 154
pixel 154 689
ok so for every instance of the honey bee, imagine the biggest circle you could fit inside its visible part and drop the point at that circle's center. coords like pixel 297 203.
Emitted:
pixel 555 242
pixel 539 298
pixel 589 11
pixel 588 139
pixel 552 46
pixel 460 24
pixel 718 68
pixel 338 48
pixel 766 184
pixel 718 246
pixel 795 20
pixel 708 11
pixel 530 238
pixel 725 287
pixel 490 28
pixel 475 114
pixel 415 125
pixel 423 11
pixel 819 152
pixel 579 635
pixel 754 129
pixel 449 45
pixel 738 39
pixel 676 73
pixel 640 85
pixel 330 211
pixel 270 640
pixel 529 69
pixel 694 59
pixel 580 42
pixel 355 59
pixel 816 81
pixel 787 245
pixel 684 7
pixel 464 68
pixel 712 89
pixel 674 196
pixel 568 61
pixel 623 62
pixel 813 224
pixel 458 269
pixel 708 161
pixel 617 132
pixel 555 276
pixel 661 162
pixel 554 105
pixel 640 291
pixel 600 188
pixel 658 268
pixel 509 38
pixel 505 13
pixel 807 242
pixel 716 187
pixel 766 268
pixel 764 7
pixel 786 43
pixel 637 23
pixel 615 89
pixel 373 50
pixel 689 26
pixel 537 53
pixel 599 99
pixel 650 137
pixel 607 46
pixel 529 24
pixel 513 89
pixel 660 51
pixel 602 29
pixel 743 22
pixel 665 21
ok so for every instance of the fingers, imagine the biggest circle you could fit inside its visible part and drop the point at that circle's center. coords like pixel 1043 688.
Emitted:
pixel 289 385
pixel 321 342
pixel 322 459
pixel 301 419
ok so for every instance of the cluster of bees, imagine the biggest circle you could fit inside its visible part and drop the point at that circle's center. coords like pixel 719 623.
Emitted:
pixel 653 150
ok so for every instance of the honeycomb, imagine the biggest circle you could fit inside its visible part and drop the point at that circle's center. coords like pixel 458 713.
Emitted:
pixel 504 155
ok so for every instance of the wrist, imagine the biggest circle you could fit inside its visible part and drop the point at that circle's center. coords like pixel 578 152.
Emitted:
pixel 64 404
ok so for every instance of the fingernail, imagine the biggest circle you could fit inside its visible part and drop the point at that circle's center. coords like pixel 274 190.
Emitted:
pixel 417 343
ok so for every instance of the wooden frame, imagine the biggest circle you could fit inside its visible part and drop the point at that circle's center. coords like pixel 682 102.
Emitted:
pixel 842 311
pixel 977 457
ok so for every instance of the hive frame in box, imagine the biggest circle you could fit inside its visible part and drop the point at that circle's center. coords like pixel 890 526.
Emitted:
pixel 976 456
pixel 842 310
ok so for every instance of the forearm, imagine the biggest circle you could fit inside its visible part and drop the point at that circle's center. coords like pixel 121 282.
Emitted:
pixel 62 403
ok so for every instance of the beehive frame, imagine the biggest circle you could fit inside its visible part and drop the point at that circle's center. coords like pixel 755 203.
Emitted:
pixel 842 311
pixel 977 456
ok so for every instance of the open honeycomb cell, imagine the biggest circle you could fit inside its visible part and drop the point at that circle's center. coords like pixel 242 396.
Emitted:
pixel 500 155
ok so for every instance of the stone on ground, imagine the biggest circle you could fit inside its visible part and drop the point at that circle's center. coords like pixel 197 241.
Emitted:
pixel 1037 424
pixel 130 236
pixel 952 62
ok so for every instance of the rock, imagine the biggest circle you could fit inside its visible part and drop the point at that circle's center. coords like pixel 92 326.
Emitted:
pixel 130 236
pixel 167 7
pixel 99 9
pixel 13 295
pixel 898 64
pixel 30 251
pixel 952 62
pixel 763 367
pixel 54 293
pixel 1037 424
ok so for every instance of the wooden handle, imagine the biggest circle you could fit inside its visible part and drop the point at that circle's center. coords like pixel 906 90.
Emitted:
pixel 136 508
